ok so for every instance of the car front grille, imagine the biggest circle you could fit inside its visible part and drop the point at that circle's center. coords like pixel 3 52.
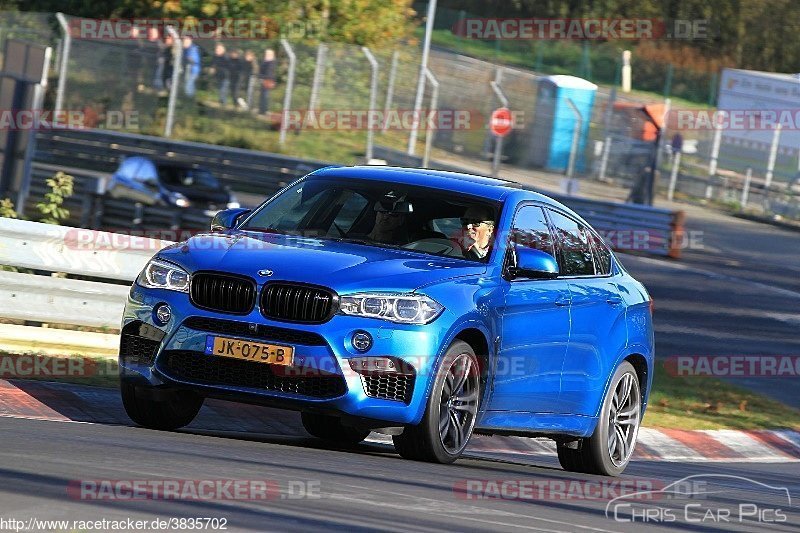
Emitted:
pixel 298 303
pixel 388 386
pixel 222 292
pixel 199 368
pixel 255 331
pixel 139 343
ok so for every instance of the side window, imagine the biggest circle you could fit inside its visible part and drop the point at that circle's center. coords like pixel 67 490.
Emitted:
pixel 530 230
pixel 602 255
pixel 575 246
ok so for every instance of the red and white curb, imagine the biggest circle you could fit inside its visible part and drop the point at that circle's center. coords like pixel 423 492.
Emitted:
pixel 655 444
pixel 38 400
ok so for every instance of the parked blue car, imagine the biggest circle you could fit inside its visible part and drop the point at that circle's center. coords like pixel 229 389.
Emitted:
pixel 421 304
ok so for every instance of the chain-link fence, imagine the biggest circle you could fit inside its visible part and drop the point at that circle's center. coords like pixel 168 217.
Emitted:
pixel 125 84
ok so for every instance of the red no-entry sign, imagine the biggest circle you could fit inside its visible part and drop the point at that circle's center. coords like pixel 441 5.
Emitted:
pixel 500 123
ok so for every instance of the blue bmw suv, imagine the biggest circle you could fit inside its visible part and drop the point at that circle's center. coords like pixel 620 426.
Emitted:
pixel 421 304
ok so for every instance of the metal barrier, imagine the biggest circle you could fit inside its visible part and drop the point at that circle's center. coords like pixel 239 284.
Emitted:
pixel 631 227
pixel 86 253
pixel 661 229
pixel 89 208
pixel 247 171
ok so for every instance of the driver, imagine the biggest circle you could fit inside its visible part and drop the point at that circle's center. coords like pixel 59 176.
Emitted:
pixel 479 225
pixel 390 223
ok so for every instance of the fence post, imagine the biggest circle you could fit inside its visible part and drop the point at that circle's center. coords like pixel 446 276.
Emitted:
pixel 612 98
pixel 423 75
pixel 712 163
pixel 773 154
pixel 177 60
pixel 746 189
pixel 64 57
pixel 390 90
pixel 626 71
pixel 322 52
pixel 673 176
pixel 429 133
pixel 498 141
pixel 287 95
pixel 573 151
pixel 373 91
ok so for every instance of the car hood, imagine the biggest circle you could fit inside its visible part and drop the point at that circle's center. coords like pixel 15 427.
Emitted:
pixel 344 267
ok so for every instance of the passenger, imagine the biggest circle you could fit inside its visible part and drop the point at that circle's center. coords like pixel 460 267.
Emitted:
pixel 390 223
pixel 479 225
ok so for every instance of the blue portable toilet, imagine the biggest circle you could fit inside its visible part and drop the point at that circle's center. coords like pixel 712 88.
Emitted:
pixel 554 121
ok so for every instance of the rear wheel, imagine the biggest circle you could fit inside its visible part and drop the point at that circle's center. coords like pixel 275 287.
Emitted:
pixel 331 429
pixel 450 415
pixel 177 410
pixel 609 449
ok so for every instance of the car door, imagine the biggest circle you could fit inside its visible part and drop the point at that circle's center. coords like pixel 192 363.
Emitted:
pixel 598 329
pixel 534 327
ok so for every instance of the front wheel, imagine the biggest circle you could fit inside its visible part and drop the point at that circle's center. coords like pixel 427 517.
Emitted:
pixel 450 415
pixel 175 411
pixel 608 451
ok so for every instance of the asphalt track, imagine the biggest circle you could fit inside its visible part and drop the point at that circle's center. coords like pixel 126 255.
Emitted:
pixel 739 295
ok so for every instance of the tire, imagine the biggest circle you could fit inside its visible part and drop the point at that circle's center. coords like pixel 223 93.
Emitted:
pixel 181 408
pixel 331 429
pixel 599 454
pixel 440 439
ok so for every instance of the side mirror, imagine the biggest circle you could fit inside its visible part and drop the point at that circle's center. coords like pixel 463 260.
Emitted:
pixel 534 264
pixel 227 218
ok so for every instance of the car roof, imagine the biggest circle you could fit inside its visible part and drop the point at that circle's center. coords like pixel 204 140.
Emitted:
pixel 471 184
pixel 161 163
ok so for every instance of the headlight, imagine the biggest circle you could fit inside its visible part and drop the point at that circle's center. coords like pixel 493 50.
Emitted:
pixel 179 199
pixel 402 308
pixel 162 275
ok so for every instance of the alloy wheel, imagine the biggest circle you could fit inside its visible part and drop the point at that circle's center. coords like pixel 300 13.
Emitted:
pixel 458 406
pixel 623 419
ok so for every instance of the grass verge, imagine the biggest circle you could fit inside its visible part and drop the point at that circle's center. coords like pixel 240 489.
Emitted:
pixel 709 403
pixel 81 369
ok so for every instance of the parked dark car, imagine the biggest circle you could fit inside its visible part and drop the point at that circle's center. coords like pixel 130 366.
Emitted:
pixel 169 183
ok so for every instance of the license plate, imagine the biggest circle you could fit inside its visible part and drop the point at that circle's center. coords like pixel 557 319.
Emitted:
pixel 258 352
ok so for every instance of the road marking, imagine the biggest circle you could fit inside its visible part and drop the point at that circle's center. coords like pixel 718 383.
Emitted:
pixel 714 275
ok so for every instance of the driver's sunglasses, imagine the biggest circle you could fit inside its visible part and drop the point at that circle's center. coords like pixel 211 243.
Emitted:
pixel 466 223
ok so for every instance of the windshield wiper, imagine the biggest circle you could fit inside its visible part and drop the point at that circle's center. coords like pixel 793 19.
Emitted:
pixel 265 230
pixel 366 242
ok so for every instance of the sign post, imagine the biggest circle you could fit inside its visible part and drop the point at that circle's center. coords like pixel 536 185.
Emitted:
pixel 500 125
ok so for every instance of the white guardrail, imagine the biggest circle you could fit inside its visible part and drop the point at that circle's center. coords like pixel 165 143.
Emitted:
pixel 47 249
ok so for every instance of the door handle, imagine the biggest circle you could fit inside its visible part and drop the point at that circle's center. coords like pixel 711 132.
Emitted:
pixel 563 300
pixel 614 299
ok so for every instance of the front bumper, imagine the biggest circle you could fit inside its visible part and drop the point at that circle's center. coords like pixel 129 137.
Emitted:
pixel 321 379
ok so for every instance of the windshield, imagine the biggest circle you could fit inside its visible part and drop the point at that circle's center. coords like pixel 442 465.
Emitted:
pixel 382 214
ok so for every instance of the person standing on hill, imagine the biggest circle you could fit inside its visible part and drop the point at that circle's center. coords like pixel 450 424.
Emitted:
pixel 220 69
pixel 237 70
pixel 191 60
pixel 266 75
pixel 247 71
